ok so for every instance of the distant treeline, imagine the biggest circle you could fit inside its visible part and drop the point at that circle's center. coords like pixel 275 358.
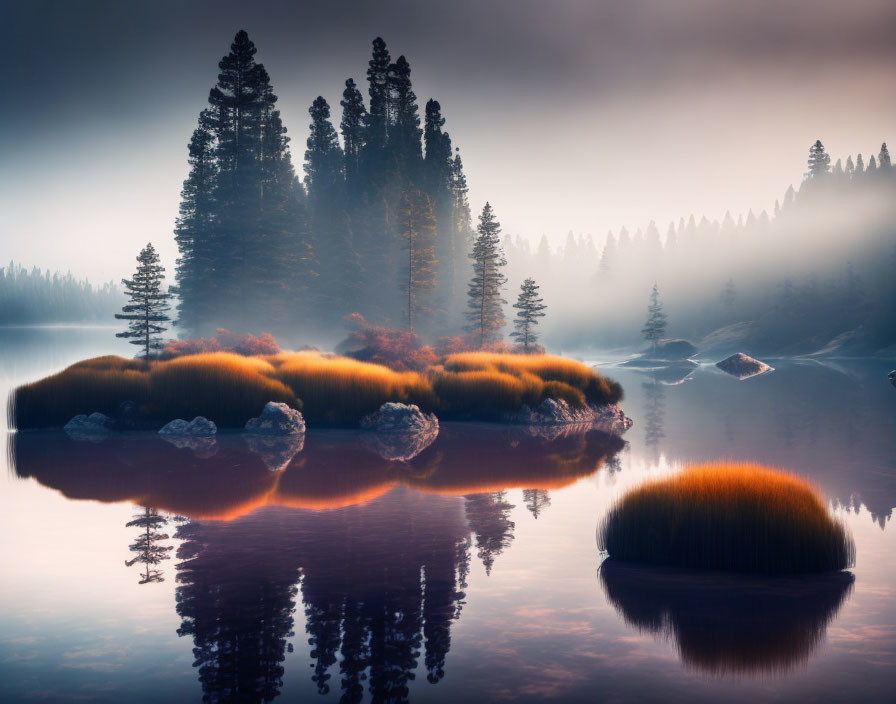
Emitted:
pixel 379 226
pixel 822 265
pixel 28 297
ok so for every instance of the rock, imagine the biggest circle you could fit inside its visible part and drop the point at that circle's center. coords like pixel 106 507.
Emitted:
pixel 672 350
pixel 557 412
pixel 892 377
pixel 92 428
pixel 552 411
pixel 612 418
pixel 742 366
pixel 276 451
pixel 402 431
pixel 200 426
pixel 400 418
pixel 277 419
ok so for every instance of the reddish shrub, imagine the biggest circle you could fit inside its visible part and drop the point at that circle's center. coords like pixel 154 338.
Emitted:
pixel 224 341
pixel 400 350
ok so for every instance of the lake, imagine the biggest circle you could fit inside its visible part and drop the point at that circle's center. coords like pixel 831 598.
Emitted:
pixel 333 572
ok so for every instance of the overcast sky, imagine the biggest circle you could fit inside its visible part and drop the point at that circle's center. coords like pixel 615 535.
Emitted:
pixel 575 115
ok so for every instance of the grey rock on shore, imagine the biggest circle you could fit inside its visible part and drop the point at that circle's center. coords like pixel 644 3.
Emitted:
pixel 200 426
pixel 277 419
pixel 400 418
pixel 92 428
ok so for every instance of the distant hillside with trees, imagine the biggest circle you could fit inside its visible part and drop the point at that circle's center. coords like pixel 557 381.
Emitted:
pixel 815 274
pixel 32 296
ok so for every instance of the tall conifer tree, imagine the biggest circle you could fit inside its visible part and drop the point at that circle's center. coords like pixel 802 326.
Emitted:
pixel 418 227
pixel 530 307
pixel 485 313
pixel 655 327
pixel 194 231
pixel 352 127
pixel 148 307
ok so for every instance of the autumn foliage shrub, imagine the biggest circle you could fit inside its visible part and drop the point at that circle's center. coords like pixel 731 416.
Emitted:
pixel 331 390
pixel 223 341
pixel 731 517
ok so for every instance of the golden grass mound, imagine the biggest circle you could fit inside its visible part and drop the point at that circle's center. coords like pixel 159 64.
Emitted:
pixel 330 390
pixel 732 517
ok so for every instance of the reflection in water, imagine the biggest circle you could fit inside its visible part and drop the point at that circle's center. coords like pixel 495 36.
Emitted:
pixel 488 516
pixel 728 624
pixel 147 548
pixel 835 424
pixel 334 469
pixel 382 572
pixel 654 413
pixel 381 583
pixel 537 500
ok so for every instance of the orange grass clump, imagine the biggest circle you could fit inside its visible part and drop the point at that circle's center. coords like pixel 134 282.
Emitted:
pixel 330 390
pixel 726 516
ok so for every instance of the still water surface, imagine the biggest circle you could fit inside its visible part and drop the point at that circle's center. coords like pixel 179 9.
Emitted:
pixel 469 573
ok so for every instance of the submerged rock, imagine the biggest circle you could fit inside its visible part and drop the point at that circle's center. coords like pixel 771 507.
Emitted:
pixel 92 428
pixel 199 426
pixel 400 418
pixel 743 366
pixel 892 377
pixel 402 431
pixel 277 419
pixel 276 451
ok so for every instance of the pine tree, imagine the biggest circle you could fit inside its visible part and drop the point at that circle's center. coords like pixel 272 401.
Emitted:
pixel 378 82
pixel 485 314
pixel 530 307
pixel 884 157
pixel 438 177
pixel 655 328
pixel 246 255
pixel 860 165
pixel 819 161
pixel 418 229
pixel 194 231
pixel 404 120
pixel 354 116
pixel 149 552
pixel 461 221
pixel 148 305
pixel 324 181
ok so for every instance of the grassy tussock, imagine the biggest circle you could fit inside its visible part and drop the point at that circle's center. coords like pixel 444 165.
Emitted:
pixel 547 368
pixel 341 391
pixel 732 517
pixel 331 391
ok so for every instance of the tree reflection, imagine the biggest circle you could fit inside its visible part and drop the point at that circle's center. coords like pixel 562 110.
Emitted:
pixel 728 624
pixel 654 416
pixel 148 551
pixel 537 500
pixel 489 518
pixel 381 584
